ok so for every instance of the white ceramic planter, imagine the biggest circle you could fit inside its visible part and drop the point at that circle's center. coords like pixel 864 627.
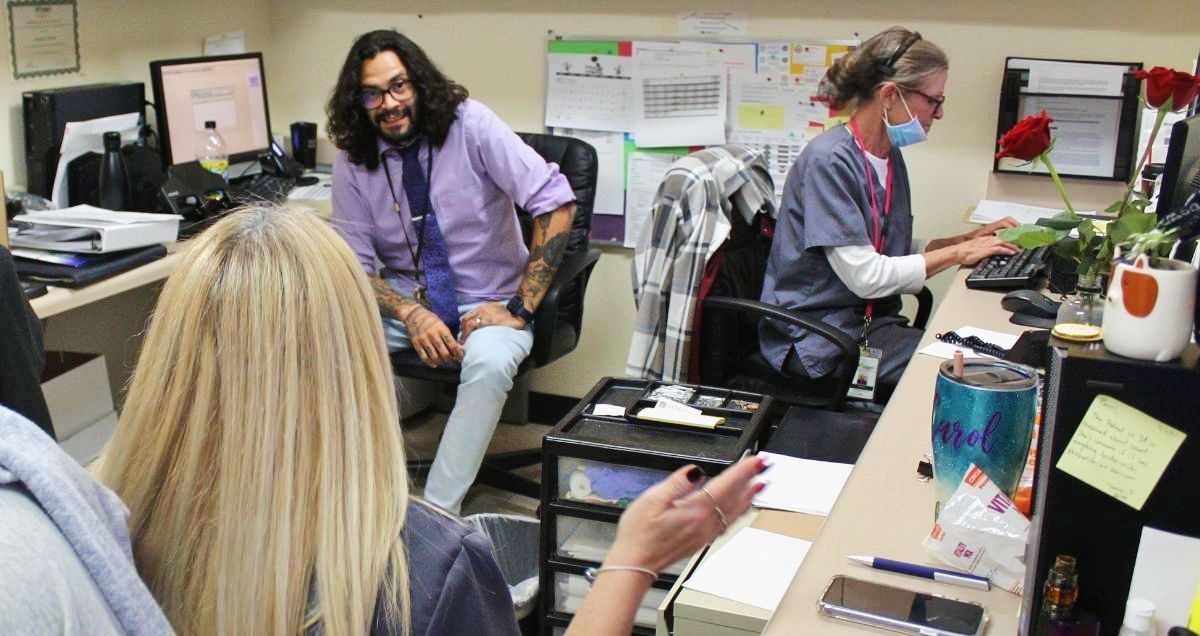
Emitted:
pixel 1149 310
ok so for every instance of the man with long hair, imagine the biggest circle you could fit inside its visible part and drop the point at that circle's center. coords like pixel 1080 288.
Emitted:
pixel 425 181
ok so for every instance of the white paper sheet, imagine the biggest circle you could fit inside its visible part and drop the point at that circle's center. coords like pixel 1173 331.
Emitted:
pixel 1084 131
pixel 1167 571
pixel 610 410
pixel 610 155
pixel 646 172
pixel 656 57
pixel 755 567
pixel 680 109
pixel 801 485
pixel 711 23
pixel 80 137
pixel 1073 78
pixel 229 43
pixel 945 350
pixel 592 92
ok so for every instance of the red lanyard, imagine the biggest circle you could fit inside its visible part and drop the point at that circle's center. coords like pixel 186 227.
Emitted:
pixel 877 235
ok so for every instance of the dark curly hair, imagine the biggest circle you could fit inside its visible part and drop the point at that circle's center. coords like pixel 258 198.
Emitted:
pixel 350 126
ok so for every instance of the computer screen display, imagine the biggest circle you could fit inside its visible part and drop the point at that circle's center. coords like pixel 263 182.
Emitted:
pixel 1181 172
pixel 227 89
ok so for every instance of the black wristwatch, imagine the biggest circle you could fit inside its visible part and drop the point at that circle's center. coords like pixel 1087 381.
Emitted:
pixel 516 307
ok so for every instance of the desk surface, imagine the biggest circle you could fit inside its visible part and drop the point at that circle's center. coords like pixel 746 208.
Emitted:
pixel 884 510
pixel 59 300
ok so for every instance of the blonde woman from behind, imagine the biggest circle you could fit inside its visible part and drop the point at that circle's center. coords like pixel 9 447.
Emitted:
pixel 260 455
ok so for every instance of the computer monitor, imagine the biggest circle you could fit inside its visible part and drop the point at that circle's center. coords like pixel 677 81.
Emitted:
pixel 1181 171
pixel 228 89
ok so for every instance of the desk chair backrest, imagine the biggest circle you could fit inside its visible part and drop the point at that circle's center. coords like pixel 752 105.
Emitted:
pixel 577 162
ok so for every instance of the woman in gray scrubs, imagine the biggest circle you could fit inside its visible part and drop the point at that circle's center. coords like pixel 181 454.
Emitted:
pixel 843 250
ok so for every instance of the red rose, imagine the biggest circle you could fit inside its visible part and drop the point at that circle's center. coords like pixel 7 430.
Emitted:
pixel 1028 139
pixel 1164 83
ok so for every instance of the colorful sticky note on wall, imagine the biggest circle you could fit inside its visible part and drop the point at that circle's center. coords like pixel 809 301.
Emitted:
pixel 1120 451
pixel 761 116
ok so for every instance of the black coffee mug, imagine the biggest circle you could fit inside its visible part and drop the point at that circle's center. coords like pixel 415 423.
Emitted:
pixel 304 143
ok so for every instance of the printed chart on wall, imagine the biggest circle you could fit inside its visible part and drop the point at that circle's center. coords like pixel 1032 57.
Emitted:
pixel 644 103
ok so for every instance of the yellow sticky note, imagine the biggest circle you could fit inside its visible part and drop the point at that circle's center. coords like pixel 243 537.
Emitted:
pixel 761 116
pixel 1120 451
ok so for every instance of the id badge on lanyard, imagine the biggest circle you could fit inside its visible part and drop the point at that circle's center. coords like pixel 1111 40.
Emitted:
pixel 863 384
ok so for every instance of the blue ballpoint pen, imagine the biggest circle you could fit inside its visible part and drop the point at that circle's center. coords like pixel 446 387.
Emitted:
pixel 937 574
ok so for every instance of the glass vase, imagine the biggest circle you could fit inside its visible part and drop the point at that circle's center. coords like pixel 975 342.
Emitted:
pixel 1085 306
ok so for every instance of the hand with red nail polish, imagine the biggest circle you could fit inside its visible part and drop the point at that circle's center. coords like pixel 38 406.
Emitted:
pixel 670 521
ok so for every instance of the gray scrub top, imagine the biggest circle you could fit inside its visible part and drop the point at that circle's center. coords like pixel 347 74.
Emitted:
pixel 825 204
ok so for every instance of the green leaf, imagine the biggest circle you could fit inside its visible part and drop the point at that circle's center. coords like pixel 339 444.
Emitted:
pixel 1131 223
pixel 1139 205
pixel 1070 248
pixel 1115 207
pixel 1064 220
pixel 1028 236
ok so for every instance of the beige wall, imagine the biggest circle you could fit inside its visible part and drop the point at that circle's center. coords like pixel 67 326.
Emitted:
pixel 497 50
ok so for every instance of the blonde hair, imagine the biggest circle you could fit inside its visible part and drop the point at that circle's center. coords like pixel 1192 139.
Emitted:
pixel 259 449
pixel 853 78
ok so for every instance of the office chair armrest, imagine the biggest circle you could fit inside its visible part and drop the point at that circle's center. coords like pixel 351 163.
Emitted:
pixel 545 322
pixel 846 345
pixel 924 307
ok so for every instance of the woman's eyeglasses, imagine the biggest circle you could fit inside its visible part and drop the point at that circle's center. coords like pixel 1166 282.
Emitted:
pixel 371 98
pixel 936 102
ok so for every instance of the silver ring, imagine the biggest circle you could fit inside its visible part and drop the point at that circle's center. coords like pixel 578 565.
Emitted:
pixel 717 509
pixel 478 321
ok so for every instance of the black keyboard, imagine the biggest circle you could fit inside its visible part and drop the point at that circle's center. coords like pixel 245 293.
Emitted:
pixel 1019 271
pixel 261 187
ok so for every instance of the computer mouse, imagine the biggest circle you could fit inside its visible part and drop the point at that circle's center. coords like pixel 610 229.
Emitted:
pixel 308 180
pixel 1031 303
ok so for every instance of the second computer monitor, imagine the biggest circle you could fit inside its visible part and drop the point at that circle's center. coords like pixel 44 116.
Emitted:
pixel 227 89
pixel 1181 172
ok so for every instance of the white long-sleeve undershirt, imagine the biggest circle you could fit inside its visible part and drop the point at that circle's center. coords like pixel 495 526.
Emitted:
pixel 872 275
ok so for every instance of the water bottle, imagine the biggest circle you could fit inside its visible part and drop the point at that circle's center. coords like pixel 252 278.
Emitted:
pixel 114 176
pixel 210 150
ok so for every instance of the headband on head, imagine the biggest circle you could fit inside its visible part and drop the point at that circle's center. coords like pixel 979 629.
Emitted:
pixel 887 66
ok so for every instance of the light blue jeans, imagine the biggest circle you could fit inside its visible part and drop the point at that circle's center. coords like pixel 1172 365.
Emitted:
pixel 491 356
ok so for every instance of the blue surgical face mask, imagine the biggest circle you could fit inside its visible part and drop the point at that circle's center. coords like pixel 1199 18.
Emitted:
pixel 908 133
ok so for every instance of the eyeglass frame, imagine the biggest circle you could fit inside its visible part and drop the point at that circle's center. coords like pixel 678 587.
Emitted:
pixel 404 85
pixel 938 103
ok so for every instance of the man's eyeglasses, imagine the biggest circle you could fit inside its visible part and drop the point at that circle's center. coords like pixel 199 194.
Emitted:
pixel 936 102
pixel 371 97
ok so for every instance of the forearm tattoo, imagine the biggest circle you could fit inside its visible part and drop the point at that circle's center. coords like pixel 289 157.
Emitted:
pixel 392 303
pixel 550 234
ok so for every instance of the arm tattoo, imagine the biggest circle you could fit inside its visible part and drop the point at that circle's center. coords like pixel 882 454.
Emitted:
pixel 391 303
pixel 550 234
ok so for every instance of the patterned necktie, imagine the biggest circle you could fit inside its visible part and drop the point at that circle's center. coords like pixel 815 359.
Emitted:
pixel 435 259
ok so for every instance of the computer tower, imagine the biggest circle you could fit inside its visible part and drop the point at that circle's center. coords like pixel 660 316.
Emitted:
pixel 48 111
pixel 1071 517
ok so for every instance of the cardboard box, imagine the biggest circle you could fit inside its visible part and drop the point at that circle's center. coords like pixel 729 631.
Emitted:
pixel 80 402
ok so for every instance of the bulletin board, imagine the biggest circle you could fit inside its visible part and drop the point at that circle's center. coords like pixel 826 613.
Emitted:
pixel 645 103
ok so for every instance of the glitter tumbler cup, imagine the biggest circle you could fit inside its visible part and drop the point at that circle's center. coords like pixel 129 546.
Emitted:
pixel 984 418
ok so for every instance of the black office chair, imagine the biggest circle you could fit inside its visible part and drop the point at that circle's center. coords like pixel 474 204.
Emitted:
pixel 558 322
pixel 729 353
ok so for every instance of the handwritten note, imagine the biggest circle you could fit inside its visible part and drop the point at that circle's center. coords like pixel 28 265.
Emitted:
pixel 1120 451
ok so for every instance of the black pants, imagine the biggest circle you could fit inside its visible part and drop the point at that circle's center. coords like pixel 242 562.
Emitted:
pixel 22 356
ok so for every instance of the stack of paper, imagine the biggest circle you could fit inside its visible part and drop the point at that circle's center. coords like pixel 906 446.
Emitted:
pixel 988 211
pixel 755 567
pixel 801 485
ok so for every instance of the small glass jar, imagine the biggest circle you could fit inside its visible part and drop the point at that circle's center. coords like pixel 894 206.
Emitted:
pixel 1085 306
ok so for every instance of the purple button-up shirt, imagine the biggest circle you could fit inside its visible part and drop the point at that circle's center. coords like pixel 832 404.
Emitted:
pixel 480 170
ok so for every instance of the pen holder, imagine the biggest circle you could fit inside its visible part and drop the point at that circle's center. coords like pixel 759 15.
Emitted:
pixel 984 417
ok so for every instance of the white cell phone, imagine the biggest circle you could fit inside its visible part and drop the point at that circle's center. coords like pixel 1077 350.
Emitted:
pixel 900 610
